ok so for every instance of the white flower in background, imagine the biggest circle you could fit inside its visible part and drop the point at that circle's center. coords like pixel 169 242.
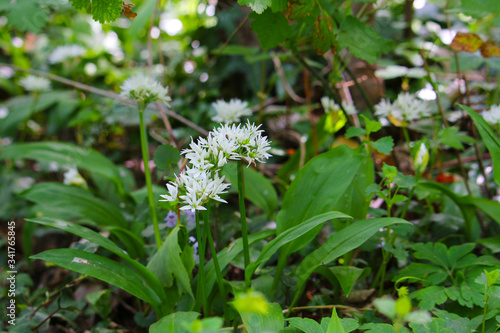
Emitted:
pixel 329 105
pixel 62 53
pixel 349 108
pixel 492 116
pixel 407 107
pixel 72 177
pixel 35 83
pixel 230 112
pixel 421 159
pixel 144 89
pixel 201 181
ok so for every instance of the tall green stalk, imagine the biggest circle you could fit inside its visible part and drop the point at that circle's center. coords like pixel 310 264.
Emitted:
pixel 215 259
pixel 243 219
pixel 145 159
pixel 201 292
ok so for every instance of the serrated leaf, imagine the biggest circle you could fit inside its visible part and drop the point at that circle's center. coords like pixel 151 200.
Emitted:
pixel 80 4
pixel 383 145
pixel 166 155
pixel 27 15
pixel 258 6
pixel 106 10
pixel 271 28
pixel 354 131
pixel 322 37
pixel 466 41
pixel 301 8
pixel 430 296
pixel 364 41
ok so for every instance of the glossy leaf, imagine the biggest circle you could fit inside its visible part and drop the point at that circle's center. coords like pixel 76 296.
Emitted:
pixel 290 235
pixel 490 139
pixel 228 254
pixel 338 244
pixel 109 245
pixel 174 323
pixel 72 202
pixel 324 179
pixel 103 269
pixel 167 262
pixel 63 154
pixel 134 243
pixel 347 276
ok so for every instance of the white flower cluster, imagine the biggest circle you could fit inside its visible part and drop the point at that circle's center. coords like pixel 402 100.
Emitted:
pixel 407 107
pixel 201 181
pixel 230 112
pixel 144 89
pixel 492 116
pixel 329 105
pixel 62 53
pixel 35 83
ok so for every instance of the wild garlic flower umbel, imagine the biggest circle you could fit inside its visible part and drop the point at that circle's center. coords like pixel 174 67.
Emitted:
pixel 492 116
pixel 406 108
pixel 144 89
pixel 62 53
pixel 201 180
pixel 230 112
pixel 35 83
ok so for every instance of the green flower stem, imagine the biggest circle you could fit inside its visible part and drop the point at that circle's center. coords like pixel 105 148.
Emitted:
pixel 145 159
pixel 486 298
pixel 215 259
pixel 243 217
pixel 407 138
pixel 200 292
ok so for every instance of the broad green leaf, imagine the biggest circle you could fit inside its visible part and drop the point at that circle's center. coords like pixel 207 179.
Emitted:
pixel 371 126
pixel 80 4
pixel 177 322
pixel 271 28
pixel 272 321
pixel 100 301
pixel 258 6
pixel 103 269
pixel 383 145
pixel 100 240
pixel 305 325
pixel 430 297
pixel 490 139
pixel 228 254
pixel 325 179
pixel 166 155
pixel 22 107
pixel 72 202
pixel 354 131
pixel 289 235
pixel 134 243
pixel 335 325
pixel 347 276
pixel 63 154
pixel 258 189
pixel 434 252
pixel 338 244
pixel 167 263
pixel 364 41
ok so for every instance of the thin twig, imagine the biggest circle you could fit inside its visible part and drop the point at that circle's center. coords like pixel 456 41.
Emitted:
pixel 284 81
pixel 108 94
pixel 238 28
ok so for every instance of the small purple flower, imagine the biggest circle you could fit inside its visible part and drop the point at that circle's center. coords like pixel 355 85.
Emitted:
pixel 193 241
pixel 190 216
pixel 171 219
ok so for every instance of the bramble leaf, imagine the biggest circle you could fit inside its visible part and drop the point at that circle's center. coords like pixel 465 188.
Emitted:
pixel 362 40
pixel 258 6
pixel 271 28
